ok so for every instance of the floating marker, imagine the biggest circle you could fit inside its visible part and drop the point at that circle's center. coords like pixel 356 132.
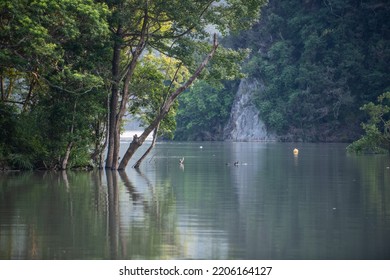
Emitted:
pixel 296 151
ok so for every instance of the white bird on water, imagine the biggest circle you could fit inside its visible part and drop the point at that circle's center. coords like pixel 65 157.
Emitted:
pixel 181 161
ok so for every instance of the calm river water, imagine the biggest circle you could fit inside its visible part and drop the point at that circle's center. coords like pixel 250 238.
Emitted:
pixel 321 204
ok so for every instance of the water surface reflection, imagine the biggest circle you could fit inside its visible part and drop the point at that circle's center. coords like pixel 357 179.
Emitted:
pixel 322 204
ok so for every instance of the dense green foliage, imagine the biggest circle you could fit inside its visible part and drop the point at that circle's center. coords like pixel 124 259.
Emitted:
pixel 177 29
pixel 153 79
pixel 69 69
pixel 377 129
pixel 320 61
pixel 204 110
pixel 52 95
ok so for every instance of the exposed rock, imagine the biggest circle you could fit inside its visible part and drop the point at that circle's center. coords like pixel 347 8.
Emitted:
pixel 245 123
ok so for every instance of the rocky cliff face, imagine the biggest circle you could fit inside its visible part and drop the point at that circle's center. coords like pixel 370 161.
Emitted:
pixel 244 123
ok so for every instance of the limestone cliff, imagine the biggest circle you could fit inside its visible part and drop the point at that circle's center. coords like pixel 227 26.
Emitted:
pixel 244 123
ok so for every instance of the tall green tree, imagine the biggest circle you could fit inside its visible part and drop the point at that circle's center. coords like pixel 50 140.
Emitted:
pixel 52 57
pixel 153 80
pixel 176 28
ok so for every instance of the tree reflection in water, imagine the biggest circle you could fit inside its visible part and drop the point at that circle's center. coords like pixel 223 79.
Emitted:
pixel 84 215
pixel 322 205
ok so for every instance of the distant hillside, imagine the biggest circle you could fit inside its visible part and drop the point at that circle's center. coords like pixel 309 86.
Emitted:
pixel 319 61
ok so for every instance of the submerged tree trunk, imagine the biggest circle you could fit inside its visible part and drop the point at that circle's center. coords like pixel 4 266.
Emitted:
pixel 100 142
pixel 138 141
pixel 113 213
pixel 112 129
pixel 118 109
pixel 64 161
pixel 155 132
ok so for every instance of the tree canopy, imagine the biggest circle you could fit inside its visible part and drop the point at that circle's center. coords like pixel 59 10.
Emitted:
pixel 51 55
pixel 177 29
pixel 71 69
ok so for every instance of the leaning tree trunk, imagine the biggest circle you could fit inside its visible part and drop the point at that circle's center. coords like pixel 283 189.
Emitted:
pixel 138 141
pixel 149 149
pixel 64 161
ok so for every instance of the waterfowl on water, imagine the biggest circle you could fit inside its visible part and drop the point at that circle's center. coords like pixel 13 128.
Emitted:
pixel 295 151
pixel 181 161
pixel 236 163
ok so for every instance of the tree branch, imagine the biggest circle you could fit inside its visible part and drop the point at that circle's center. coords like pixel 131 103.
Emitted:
pixel 138 141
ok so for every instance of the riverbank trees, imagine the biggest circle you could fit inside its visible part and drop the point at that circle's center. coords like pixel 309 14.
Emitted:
pixel 178 29
pixel 67 70
pixel 52 83
pixel 376 138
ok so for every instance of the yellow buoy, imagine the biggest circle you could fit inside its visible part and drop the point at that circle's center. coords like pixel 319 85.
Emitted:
pixel 296 151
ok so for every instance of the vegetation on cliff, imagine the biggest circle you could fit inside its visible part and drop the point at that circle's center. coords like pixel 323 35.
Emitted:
pixel 319 61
